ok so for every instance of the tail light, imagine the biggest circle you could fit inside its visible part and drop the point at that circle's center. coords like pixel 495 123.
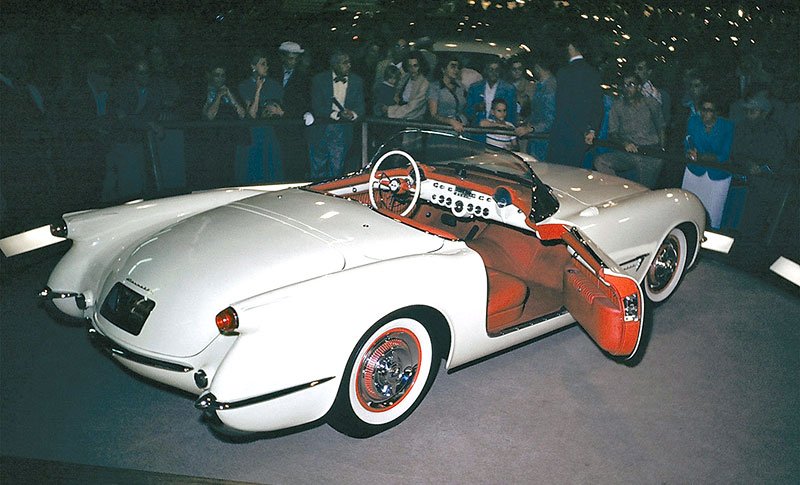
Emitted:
pixel 227 321
pixel 631 307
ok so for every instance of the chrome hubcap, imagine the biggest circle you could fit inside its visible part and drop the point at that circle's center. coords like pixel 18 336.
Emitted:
pixel 388 370
pixel 664 265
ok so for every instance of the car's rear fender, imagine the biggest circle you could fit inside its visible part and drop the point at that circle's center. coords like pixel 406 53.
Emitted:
pixel 99 236
pixel 305 333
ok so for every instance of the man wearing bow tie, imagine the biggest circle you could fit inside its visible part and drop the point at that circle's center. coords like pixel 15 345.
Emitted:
pixel 337 100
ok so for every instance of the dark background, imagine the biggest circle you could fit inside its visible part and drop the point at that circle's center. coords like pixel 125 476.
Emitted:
pixel 710 35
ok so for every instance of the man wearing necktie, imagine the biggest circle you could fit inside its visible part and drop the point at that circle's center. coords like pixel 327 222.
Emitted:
pixel 337 100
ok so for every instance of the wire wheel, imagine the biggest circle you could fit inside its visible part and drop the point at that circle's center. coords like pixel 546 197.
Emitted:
pixel 666 270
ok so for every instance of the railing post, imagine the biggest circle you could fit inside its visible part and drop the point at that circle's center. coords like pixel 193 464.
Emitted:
pixel 154 161
pixel 773 226
pixel 364 144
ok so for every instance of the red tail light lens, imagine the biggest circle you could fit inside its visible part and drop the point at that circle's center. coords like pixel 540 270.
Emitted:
pixel 227 321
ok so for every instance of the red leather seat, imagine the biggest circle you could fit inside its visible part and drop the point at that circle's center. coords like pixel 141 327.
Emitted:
pixel 507 295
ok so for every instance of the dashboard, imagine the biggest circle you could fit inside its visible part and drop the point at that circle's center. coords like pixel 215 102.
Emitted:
pixel 468 203
pixel 463 202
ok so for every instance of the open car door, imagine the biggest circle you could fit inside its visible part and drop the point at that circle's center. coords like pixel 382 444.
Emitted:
pixel 605 302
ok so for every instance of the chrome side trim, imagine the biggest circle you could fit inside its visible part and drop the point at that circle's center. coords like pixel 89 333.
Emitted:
pixel 48 294
pixel 543 318
pixel 107 345
pixel 634 264
pixel 208 402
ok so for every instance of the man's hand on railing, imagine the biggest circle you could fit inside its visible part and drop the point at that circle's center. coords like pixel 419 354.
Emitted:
pixel 754 168
pixel 629 147
pixel 456 125
pixel 523 130
pixel 272 110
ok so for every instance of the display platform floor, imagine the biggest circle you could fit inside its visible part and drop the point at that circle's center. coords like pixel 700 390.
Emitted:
pixel 714 399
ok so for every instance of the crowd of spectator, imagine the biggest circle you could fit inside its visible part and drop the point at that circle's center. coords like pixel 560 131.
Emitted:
pixel 101 133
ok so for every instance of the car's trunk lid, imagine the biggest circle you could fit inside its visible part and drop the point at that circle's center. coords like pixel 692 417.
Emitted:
pixel 197 267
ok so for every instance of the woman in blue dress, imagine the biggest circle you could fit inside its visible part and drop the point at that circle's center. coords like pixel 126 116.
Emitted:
pixel 708 139
pixel 260 161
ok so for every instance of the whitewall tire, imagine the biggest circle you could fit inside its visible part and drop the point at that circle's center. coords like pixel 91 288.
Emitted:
pixel 388 374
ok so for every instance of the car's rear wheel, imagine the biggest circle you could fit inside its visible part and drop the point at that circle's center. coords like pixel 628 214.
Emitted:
pixel 667 268
pixel 388 374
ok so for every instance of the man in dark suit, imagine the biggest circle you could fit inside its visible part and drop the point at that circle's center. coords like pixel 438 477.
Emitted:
pixel 136 104
pixel 296 102
pixel 579 107
pixel 337 100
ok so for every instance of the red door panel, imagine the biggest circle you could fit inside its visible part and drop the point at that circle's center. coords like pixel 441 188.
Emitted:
pixel 596 307
pixel 608 305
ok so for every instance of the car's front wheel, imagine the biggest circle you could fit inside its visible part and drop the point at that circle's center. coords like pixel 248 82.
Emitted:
pixel 388 374
pixel 666 270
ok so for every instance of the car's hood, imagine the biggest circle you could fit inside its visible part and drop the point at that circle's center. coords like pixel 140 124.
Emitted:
pixel 578 189
pixel 199 266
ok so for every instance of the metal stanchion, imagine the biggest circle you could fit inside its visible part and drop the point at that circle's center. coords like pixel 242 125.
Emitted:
pixel 364 144
pixel 773 226
pixel 154 159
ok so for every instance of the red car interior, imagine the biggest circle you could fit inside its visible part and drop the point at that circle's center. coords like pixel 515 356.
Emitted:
pixel 527 277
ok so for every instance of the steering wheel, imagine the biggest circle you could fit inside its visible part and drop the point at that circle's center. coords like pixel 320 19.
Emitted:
pixel 394 192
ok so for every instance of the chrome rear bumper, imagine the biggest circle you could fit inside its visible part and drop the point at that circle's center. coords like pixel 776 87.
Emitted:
pixel 208 402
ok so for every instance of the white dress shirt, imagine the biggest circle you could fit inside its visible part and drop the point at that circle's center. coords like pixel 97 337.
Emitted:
pixel 340 93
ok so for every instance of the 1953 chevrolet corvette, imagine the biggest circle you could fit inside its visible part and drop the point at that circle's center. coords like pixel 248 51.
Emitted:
pixel 338 300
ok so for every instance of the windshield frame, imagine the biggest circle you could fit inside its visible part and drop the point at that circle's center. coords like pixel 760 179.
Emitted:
pixel 451 150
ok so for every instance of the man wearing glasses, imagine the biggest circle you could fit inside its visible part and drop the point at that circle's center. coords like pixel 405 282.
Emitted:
pixel 525 88
pixel 636 129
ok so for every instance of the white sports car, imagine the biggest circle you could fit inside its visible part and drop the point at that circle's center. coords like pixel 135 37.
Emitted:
pixel 338 300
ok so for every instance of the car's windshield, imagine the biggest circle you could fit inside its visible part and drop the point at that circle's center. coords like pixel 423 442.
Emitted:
pixel 438 149
pixel 465 156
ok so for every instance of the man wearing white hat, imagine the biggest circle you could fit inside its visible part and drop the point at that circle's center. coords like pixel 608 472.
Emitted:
pixel 296 102
pixel 289 51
